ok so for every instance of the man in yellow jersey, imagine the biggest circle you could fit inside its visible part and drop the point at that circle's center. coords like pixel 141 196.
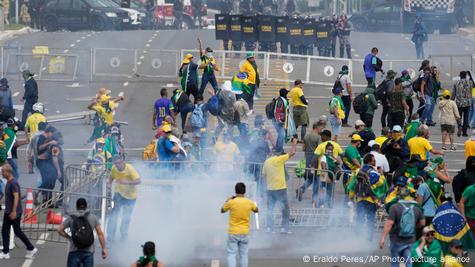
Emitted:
pixel 239 208
pixel 31 125
pixel 419 145
pixel 126 179
pixel 300 114
pixel 274 173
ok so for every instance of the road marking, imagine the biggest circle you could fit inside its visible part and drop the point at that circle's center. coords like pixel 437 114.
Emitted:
pixel 215 263
pixel 139 63
pixel 447 74
pixel 16 94
pixel 145 51
pixel 78 41
pixel 126 84
pixel 41 241
pixel 356 55
pixel 72 45
pixel 142 57
pixel 75 85
pixel 150 40
pixel 147 45
pixel 57 111
pixel 84 37
pixel 89 35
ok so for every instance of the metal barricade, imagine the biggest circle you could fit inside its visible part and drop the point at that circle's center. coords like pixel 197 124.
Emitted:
pixel 47 67
pixel 114 62
pixel 286 67
pixel 157 63
pixel 325 70
pixel 451 65
pixel 42 223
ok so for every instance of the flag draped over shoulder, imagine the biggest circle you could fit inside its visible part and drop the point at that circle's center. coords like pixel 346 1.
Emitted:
pixel 392 195
pixel 378 183
pixel 449 224
pixel 240 84
pixel 431 255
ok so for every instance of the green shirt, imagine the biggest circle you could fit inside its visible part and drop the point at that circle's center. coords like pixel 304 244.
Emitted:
pixel 372 103
pixel 351 153
pixel 208 61
pixel 469 195
pixel 411 130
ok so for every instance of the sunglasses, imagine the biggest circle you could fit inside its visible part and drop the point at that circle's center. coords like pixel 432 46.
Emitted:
pixel 430 234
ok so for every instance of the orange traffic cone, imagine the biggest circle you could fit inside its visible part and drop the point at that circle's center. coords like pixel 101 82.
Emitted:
pixel 54 218
pixel 30 217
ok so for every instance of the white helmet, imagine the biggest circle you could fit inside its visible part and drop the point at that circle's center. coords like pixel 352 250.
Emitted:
pixel 38 107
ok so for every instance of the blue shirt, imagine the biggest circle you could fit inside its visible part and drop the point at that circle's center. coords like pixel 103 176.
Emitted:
pixel 369 70
pixel 429 206
pixel 10 188
pixel 164 148
pixel 162 108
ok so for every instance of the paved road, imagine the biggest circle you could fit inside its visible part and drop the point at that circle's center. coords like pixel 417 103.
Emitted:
pixel 66 97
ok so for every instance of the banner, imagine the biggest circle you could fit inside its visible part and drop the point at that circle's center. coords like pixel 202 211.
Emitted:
pixel 249 28
pixel 323 32
pixel 282 30
pixel 235 28
pixel 309 36
pixel 222 26
pixel 266 28
pixel 295 31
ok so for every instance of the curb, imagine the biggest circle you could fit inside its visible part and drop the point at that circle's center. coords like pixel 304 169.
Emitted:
pixel 466 31
pixel 11 33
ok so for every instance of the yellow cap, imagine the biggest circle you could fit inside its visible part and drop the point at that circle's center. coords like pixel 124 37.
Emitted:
pixel 104 91
pixel 100 140
pixel 446 93
pixel 166 128
pixel 356 137
pixel 187 58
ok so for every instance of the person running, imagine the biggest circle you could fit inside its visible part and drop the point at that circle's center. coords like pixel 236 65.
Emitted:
pixel 31 94
pixel 239 208
pixel 161 109
pixel 462 94
pixel 181 104
pixel 405 217
pixel 12 216
pixel 448 118
pixel 80 253
pixel 372 64
pixel 337 111
pixel 189 76
pixel 281 113
pixel 126 179
pixel 347 96
pixel 421 146
pixel 300 114
pixel 250 67
pixel 209 67
pixel 274 173
pixel 148 259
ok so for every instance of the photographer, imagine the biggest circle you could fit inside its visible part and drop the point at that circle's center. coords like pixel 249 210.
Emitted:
pixel 396 149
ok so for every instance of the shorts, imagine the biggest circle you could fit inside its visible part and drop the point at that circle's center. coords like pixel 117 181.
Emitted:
pixel 336 127
pixel 447 128
pixel 300 116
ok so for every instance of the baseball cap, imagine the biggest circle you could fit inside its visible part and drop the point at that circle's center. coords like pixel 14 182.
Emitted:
pixel 166 128
pixel 455 243
pixel 372 143
pixel 249 54
pixel 356 137
pixel 428 229
pixel 298 82
pixel 103 91
pixel 446 93
pixel 359 123
pixel 397 128
pixel 187 58
pixel 100 140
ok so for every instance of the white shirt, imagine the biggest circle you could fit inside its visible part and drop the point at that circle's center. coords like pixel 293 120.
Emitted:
pixel 345 81
pixel 381 161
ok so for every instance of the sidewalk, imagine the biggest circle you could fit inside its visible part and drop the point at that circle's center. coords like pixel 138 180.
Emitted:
pixel 5 35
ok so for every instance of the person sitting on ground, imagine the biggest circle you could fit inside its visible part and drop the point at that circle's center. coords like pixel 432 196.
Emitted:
pixel 148 259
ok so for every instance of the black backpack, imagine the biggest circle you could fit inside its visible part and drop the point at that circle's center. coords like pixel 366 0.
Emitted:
pixel 270 109
pixel 363 185
pixel 416 86
pixel 81 232
pixel 337 84
pixel 154 264
pixel 360 104
pixel 381 91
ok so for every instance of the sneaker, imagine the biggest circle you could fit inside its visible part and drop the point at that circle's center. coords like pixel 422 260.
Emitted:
pixel 285 231
pixel 4 256
pixel 453 148
pixel 30 254
pixel 444 148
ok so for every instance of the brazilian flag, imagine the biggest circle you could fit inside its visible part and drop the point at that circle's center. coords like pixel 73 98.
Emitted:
pixel 379 185
pixel 392 196
pixel 449 224
pixel 240 84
